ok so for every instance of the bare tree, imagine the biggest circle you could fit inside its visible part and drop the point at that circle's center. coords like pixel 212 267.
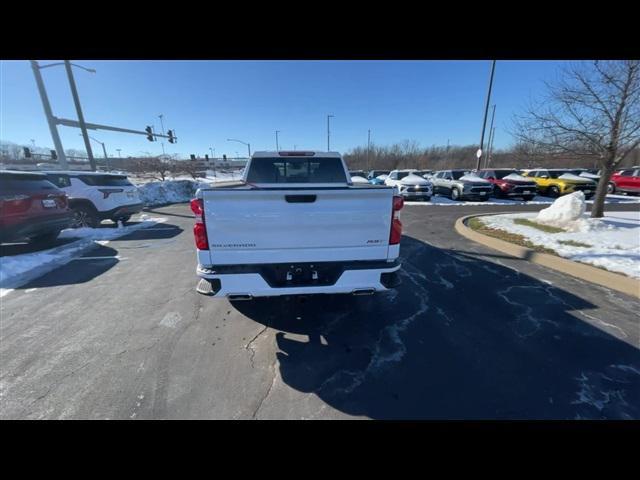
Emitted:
pixel 592 113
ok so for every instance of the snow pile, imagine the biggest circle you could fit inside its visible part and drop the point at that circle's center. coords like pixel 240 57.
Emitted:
pixel 563 211
pixel 516 178
pixel 17 270
pixel 612 242
pixel 472 177
pixel 169 191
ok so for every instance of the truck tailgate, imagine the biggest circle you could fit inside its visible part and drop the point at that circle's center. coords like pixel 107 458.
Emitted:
pixel 297 225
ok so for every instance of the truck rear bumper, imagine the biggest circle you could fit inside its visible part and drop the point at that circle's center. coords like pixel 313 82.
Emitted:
pixel 238 284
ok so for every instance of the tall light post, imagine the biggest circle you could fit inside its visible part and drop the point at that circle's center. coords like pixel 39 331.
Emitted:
pixel 493 114
pixel 48 113
pixel 328 133
pixel 244 143
pixel 76 101
pixel 486 111
pixel 118 150
pixel 212 150
pixel 368 147
pixel 104 150
pixel 277 144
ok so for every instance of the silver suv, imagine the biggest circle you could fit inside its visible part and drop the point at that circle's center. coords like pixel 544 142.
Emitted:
pixel 461 185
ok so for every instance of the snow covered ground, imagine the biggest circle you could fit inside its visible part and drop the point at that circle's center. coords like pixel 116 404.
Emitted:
pixel 612 242
pixel 440 201
pixel 16 270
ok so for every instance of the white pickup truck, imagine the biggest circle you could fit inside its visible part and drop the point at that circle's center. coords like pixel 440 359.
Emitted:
pixel 296 224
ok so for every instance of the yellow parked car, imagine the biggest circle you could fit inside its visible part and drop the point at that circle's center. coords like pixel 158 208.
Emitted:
pixel 554 182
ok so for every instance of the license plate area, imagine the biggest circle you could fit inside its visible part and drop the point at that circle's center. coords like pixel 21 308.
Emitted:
pixel 49 203
pixel 301 274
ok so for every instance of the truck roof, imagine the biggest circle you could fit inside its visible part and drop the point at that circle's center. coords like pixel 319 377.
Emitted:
pixel 296 153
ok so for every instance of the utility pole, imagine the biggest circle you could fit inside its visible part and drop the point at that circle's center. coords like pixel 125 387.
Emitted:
pixel 162 127
pixel 493 114
pixel 492 135
pixel 486 111
pixel 328 133
pixel 368 147
pixel 277 144
pixel 53 128
pixel 83 127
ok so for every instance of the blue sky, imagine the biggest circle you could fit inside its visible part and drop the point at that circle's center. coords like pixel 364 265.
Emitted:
pixel 207 102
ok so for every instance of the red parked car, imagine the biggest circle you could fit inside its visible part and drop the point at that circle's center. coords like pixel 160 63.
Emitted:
pixel 506 183
pixel 625 181
pixel 31 208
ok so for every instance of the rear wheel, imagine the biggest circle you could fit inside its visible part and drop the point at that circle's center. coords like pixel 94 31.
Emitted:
pixel 611 188
pixel 455 194
pixel 45 238
pixel 84 216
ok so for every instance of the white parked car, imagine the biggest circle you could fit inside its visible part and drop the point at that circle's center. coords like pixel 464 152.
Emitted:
pixel 410 185
pixel 96 196
pixel 296 224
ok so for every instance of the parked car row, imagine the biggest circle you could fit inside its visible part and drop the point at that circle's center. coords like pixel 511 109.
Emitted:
pixel 480 185
pixel 36 206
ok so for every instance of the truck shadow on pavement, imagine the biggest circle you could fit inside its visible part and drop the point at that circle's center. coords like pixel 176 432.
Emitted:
pixel 461 338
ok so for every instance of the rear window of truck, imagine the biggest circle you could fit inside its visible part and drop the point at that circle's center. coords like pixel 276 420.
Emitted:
pixel 296 170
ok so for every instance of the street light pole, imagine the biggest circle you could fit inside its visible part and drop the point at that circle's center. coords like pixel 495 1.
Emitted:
pixel 53 128
pixel 493 114
pixel 83 126
pixel 277 144
pixel 486 111
pixel 368 147
pixel 328 133
pixel 244 143
pixel 118 150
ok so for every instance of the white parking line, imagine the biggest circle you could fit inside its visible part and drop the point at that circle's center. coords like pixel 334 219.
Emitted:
pixel 118 257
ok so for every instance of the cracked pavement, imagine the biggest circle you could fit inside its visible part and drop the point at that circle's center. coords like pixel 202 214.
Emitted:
pixel 469 334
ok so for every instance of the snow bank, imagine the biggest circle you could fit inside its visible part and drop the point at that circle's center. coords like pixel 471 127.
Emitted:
pixel 612 242
pixel 17 270
pixel 472 177
pixel 179 189
pixel 563 211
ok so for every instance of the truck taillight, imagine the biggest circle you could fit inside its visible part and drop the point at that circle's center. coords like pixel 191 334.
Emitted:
pixel 200 234
pixel 197 206
pixel 199 229
pixel 396 225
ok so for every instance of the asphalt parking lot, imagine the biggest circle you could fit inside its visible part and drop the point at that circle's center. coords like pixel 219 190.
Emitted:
pixel 120 333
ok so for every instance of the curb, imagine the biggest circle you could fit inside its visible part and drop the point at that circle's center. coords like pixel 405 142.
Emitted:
pixel 582 271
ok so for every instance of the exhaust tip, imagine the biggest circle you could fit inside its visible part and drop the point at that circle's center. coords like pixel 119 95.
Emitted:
pixel 364 291
pixel 239 296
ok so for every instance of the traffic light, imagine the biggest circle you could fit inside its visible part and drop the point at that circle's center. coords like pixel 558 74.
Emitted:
pixel 27 152
pixel 149 133
pixel 54 155
pixel 206 157
pixel 172 138
pixel 224 157
pixel 193 157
